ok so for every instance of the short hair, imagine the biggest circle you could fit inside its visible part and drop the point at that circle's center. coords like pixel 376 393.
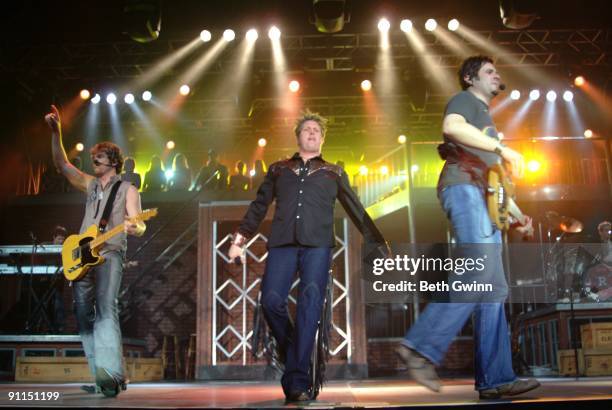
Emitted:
pixel 112 151
pixel 310 116
pixel 470 67
pixel 60 230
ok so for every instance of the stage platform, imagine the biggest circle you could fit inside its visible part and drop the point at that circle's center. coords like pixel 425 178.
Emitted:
pixel 558 393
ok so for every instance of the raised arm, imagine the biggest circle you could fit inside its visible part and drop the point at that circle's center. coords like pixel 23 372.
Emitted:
pixel 76 177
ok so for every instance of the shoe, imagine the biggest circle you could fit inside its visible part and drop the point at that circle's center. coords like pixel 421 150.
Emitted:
pixel 90 389
pixel 510 389
pixel 420 369
pixel 107 383
pixel 298 396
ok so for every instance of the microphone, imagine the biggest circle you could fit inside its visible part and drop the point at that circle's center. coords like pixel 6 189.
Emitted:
pixel 502 87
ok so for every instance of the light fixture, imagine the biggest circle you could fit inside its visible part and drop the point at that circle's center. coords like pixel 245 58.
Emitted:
pixel 383 25
pixel 366 85
pixel 453 25
pixel 534 95
pixel 84 94
pixel 129 98
pixel 262 142
pixel 96 99
pixel 229 35
pixel 294 86
pixel 568 95
pixel 184 90
pixel 111 98
pixel 406 26
pixel 274 33
pixel 205 36
pixel 146 96
pixel 252 35
pixel 551 96
pixel 515 95
pixel 430 25
pixel 170 144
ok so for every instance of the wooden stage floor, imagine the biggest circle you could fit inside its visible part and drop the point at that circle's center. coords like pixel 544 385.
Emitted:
pixel 374 393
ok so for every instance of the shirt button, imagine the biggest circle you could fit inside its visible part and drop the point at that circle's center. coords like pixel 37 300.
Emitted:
pixel 301 191
pixel 300 204
pixel 302 180
pixel 298 217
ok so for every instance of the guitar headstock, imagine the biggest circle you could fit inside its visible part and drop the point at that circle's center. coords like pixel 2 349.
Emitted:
pixel 146 214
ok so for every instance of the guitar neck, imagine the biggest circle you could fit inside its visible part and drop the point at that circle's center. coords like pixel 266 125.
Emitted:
pixel 106 236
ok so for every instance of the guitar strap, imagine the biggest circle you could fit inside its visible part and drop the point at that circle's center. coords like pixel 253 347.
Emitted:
pixel 467 161
pixel 109 206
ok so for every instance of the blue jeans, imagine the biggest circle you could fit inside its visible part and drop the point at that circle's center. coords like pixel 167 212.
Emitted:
pixel 283 263
pixel 439 323
pixel 97 313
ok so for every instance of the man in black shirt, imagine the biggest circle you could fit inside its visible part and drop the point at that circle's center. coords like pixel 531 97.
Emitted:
pixel 471 146
pixel 305 188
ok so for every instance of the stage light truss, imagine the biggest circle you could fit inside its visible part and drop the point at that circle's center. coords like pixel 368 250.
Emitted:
pixel 126 60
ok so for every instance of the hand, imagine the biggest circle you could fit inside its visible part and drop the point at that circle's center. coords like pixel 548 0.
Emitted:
pixel 236 251
pixel 516 161
pixel 131 228
pixel 526 229
pixel 53 120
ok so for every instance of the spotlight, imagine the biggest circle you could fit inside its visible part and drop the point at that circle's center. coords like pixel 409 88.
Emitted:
pixel 274 33
pixel 146 96
pixel 551 96
pixel 84 94
pixel 515 95
pixel 401 139
pixel 579 81
pixel 252 173
pixel 500 135
pixel 453 25
pixel 383 25
pixel 252 35
pixel 294 86
pixel 205 36
pixel 406 26
pixel 366 85
pixel 534 95
pixel 262 142
pixel 430 25
pixel 568 95
pixel 414 168
pixel 169 174
pixel 111 98
pixel 229 35
pixel 363 170
pixel 533 166
pixel 170 144
pixel 96 99
pixel 184 90
pixel 129 98
pixel 329 15
pixel 588 134
pixel 80 147
pixel 384 170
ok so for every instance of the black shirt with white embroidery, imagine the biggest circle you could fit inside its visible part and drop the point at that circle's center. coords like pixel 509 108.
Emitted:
pixel 305 195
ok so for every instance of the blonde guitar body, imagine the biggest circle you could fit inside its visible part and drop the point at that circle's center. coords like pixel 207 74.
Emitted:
pixel 500 200
pixel 80 252
pixel 77 256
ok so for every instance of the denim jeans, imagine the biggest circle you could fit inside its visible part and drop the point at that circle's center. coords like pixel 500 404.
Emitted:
pixel 298 342
pixel 439 323
pixel 96 306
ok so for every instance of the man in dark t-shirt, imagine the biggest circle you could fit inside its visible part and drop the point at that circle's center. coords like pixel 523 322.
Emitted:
pixel 471 145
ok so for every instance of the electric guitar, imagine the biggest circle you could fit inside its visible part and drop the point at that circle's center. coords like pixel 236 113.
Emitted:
pixel 80 252
pixel 500 200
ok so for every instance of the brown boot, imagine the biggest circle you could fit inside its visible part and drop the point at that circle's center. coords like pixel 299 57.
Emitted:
pixel 420 369
pixel 510 389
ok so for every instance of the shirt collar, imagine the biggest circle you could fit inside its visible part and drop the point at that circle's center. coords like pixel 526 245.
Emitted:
pixel 297 156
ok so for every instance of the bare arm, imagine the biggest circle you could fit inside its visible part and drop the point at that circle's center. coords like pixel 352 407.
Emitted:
pixel 133 208
pixel 76 177
pixel 459 130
